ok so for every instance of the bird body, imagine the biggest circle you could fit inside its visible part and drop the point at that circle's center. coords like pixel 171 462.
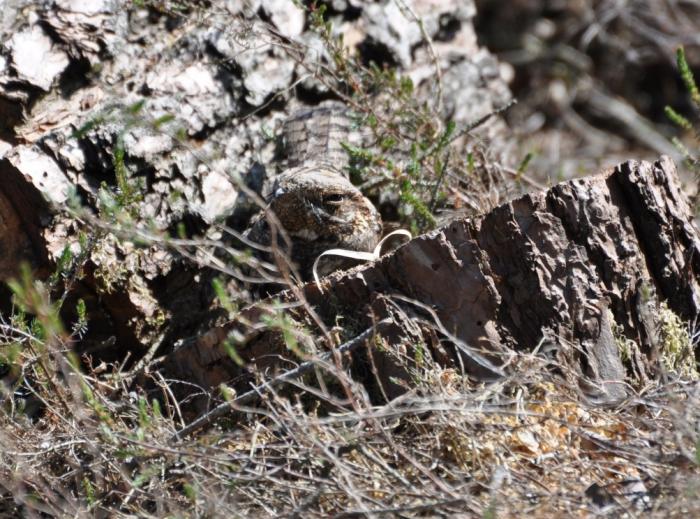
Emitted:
pixel 312 199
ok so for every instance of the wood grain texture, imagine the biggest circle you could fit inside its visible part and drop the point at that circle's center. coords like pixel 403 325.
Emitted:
pixel 565 267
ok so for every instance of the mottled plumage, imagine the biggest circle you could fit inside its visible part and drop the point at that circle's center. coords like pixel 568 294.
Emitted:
pixel 312 199
pixel 316 136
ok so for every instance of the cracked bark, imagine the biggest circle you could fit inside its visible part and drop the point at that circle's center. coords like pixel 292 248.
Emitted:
pixel 566 267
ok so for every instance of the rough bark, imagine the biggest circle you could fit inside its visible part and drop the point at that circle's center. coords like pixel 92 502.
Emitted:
pixel 563 270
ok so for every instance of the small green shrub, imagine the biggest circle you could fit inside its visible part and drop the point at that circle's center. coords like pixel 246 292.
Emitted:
pixel 692 159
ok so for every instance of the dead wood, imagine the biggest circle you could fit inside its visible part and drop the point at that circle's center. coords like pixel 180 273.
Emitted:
pixel 255 393
pixel 568 272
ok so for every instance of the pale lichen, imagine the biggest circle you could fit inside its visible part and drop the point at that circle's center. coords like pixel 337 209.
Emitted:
pixel 677 352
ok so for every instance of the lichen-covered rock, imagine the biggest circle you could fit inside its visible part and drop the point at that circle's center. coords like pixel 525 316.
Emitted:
pixel 35 59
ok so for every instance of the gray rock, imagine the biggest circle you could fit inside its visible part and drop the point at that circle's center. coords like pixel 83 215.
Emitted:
pixel 392 28
pixel 35 58
pixel 286 16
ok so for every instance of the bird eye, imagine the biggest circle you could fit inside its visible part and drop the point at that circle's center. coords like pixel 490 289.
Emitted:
pixel 334 199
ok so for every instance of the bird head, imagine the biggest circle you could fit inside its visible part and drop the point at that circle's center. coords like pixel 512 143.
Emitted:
pixel 319 206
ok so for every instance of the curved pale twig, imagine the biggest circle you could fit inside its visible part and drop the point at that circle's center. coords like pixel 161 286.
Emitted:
pixel 359 255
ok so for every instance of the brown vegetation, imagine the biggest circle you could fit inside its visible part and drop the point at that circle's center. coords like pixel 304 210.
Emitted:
pixel 530 351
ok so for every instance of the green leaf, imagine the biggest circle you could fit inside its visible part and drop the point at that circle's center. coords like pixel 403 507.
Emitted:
pixel 687 76
pixel 232 352
pixel 677 118
pixel 190 492
pixel 80 309
pixel 406 86
pixel 136 107
pixel 163 119
pixel 156 408
pixel 85 128
pixel 144 419
pixel 523 166
pixel 222 295
pixel 445 137
pixel 181 231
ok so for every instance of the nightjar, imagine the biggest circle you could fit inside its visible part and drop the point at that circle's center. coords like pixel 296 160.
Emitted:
pixel 316 204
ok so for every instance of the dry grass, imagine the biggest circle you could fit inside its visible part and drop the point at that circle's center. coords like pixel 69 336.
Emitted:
pixel 89 442
pixel 524 444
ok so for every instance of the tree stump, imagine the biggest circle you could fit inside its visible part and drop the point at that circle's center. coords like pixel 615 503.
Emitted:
pixel 572 271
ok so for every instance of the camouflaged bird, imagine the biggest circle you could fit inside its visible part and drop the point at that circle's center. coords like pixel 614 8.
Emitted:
pixel 313 200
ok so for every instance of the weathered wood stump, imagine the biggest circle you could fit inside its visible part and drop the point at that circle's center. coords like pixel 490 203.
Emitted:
pixel 568 269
